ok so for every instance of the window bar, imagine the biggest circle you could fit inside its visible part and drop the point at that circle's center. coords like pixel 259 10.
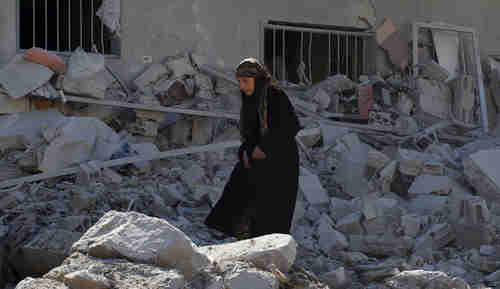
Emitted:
pixel 329 53
pixel 301 46
pixel 92 23
pixel 58 48
pixel 274 52
pixel 310 58
pixel 46 34
pixel 81 24
pixel 338 53
pixel 283 77
pixel 356 38
pixel 347 56
pixel 69 26
pixel 34 21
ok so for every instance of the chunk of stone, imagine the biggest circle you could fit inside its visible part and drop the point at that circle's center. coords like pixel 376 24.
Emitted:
pixel 277 249
pixel 144 150
pixel 203 130
pixel 83 279
pixel 435 98
pixel 140 238
pixel 180 132
pixel 243 277
pixel 322 99
pixel 412 224
pixel 43 252
pixel 387 175
pixel 350 224
pixel 340 208
pixel 413 163
pixel 124 273
pixel 331 133
pixel 352 165
pixel 377 275
pixel 375 207
pixel 438 236
pixel 181 66
pixel 39 283
pixel 427 204
pixel 484 174
pixel 421 279
pixel 150 76
pixel 354 258
pixel 381 245
pixel 83 199
pixel 312 189
pixel 330 240
pixel 337 279
pixel 377 159
pixel 426 184
pixel 194 175
pixel 472 226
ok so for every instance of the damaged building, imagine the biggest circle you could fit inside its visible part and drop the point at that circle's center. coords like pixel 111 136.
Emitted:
pixel 119 129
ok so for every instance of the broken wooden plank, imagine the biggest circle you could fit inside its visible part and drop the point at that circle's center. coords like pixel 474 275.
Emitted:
pixel 218 114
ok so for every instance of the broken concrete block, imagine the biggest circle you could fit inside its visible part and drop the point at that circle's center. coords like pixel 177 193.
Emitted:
pixel 337 279
pixel 425 205
pixel 377 159
pixel 94 85
pixel 20 77
pixel 387 175
pixel 150 76
pixel 313 191
pixel 83 199
pixel 330 133
pixel 43 252
pixel 39 283
pixel 375 207
pixel 150 115
pixel 83 279
pixel 194 175
pixel 354 258
pixel 143 127
pixel 80 140
pixel 277 249
pixel 9 105
pixel 421 279
pixel 140 238
pixel 350 224
pixel 181 66
pixel 242 277
pixel 330 240
pixel 377 275
pixel 203 130
pixel 484 174
pixel 298 213
pixel 434 71
pixel 389 38
pixel 435 98
pixel 180 132
pixel 438 236
pixel 425 184
pixel 340 208
pixel 414 163
pixel 144 150
pixel 472 226
pixel 352 168
pixel 322 99
pixel 412 224
pixel 381 245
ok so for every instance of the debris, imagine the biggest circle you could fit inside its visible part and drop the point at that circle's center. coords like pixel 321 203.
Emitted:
pixel 425 184
pixel 313 191
pixel 389 38
pixel 150 76
pixel 482 174
pixel 45 58
pixel 330 240
pixel 109 13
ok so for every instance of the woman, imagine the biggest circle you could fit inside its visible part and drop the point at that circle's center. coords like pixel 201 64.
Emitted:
pixel 260 195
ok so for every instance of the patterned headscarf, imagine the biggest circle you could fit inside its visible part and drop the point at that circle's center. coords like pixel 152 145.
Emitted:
pixel 251 67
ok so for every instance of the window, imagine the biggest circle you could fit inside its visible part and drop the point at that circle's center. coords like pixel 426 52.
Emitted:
pixel 323 50
pixel 64 25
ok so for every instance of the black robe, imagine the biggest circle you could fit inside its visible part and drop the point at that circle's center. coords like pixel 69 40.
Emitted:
pixel 269 187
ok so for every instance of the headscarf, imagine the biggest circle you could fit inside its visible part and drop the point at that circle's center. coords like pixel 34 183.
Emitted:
pixel 251 67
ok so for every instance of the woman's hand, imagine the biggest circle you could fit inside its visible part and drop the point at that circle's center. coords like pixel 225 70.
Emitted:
pixel 246 164
pixel 258 154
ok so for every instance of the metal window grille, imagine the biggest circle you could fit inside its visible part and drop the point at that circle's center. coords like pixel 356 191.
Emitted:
pixel 324 52
pixel 63 25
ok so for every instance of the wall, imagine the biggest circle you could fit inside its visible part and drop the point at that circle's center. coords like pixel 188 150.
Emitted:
pixel 226 32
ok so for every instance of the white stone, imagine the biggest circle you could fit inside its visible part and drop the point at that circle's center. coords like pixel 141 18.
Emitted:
pixel 142 239
pixel 32 283
pixel 330 239
pixel 426 184
pixel 250 278
pixel 313 191
pixel 277 249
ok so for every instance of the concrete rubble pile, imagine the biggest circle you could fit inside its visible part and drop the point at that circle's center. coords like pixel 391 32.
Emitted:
pixel 397 186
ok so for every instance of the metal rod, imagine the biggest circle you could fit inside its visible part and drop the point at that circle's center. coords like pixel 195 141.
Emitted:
pixel 320 31
pixel 274 52
pixel 34 21
pixel 283 75
pixel 329 53
pixel 58 24
pixel 310 55
pixel 46 21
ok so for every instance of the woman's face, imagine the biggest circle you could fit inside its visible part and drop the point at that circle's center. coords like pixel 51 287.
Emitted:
pixel 247 85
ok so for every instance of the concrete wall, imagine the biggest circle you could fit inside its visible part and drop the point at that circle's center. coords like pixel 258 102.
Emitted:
pixel 227 30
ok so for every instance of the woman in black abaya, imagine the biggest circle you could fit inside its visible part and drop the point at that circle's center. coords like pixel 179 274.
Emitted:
pixel 260 195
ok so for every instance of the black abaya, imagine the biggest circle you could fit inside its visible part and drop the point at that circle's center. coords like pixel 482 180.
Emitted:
pixel 269 187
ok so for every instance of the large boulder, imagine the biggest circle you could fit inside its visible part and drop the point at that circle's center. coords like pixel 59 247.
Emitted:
pixel 277 249
pixel 140 238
